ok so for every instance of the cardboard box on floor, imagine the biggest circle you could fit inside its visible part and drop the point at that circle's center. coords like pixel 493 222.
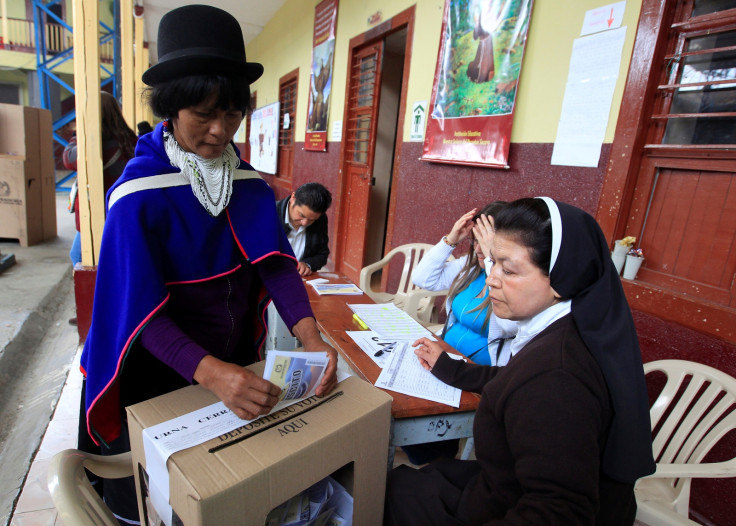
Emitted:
pixel 20 202
pixel 27 185
pixel 346 437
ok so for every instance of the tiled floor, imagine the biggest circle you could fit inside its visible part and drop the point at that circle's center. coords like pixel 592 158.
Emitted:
pixel 35 507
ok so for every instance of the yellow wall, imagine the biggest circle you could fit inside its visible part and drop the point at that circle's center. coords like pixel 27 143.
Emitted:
pixel 286 44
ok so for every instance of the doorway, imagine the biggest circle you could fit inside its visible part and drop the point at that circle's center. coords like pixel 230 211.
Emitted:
pixel 374 108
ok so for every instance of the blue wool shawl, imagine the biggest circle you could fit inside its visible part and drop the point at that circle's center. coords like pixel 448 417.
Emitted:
pixel 154 238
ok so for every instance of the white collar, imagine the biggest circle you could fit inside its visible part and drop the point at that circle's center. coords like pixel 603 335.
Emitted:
pixel 528 329
pixel 287 220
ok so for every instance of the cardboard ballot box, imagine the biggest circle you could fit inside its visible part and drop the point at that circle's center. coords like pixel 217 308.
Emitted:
pixel 239 477
pixel 27 180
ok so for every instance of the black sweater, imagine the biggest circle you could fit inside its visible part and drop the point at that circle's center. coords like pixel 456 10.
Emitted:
pixel 316 247
pixel 539 431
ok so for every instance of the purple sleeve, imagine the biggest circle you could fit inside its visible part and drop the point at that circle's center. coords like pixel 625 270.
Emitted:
pixel 286 288
pixel 166 341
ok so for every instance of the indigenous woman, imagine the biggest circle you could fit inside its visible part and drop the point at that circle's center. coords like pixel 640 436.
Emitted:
pixel 562 431
pixel 192 248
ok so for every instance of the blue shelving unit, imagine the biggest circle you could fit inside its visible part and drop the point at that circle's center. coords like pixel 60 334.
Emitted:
pixel 46 64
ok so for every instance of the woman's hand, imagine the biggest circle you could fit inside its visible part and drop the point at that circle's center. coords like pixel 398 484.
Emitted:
pixel 307 333
pixel 483 233
pixel 242 391
pixel 427 351
pixel 462 227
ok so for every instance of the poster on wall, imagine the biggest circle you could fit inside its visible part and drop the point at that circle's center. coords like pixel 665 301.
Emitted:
pixel 320 84
pixel 264 138
pixel 475 82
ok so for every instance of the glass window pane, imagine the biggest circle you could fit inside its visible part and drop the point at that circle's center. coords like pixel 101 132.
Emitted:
pixel 704 7
pixel 693 130
pixel 708 93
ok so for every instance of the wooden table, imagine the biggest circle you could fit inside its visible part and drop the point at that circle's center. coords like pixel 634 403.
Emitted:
pixel 414 420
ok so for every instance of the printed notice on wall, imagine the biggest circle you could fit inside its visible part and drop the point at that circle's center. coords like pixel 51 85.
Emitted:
pixel 603 18
pixel 586 106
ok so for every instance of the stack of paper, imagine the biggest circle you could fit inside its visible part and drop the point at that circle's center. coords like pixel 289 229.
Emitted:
pixel 322 286
pixel 389 321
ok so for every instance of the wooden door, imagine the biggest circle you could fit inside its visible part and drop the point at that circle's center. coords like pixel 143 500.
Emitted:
pixel 360 133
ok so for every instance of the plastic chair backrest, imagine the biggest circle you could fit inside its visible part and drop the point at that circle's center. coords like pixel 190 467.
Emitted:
pixel 412 253
pixel 75 499
pixel 688 424
pixel 694 411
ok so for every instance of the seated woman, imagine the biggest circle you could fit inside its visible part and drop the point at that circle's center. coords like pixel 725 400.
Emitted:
pixel 562 431
pixel 471 327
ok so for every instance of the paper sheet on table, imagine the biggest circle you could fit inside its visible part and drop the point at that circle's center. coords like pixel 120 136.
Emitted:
pixel 336 288
pixel 404 374
pixel 377 348
pixel 189 430
pixel 389 321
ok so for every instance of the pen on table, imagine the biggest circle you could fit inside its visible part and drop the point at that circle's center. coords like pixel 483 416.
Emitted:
pixel 360 322
pixel 388 348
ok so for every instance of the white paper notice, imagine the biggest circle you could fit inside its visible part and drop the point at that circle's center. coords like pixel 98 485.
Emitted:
pixel 389 321
pixel 586 107
pixel 336 135
pixel 603 18
pixel 404 374
pixel 163 440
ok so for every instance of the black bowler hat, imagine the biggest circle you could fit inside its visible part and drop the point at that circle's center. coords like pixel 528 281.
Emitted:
pixel 200 40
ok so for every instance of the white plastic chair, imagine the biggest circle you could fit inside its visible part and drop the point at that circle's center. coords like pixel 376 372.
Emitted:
pixel 74 497
pixel 415 301
pixel 685 427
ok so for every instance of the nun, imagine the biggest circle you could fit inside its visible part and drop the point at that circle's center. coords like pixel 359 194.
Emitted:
pixel 562 432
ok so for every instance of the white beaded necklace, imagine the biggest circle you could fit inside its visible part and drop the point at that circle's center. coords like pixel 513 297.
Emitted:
pixel 211 179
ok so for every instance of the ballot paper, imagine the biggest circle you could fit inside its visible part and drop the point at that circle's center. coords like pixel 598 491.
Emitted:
pixel 404 374
pixel 389 321
pixel 297 373
pixel 325 503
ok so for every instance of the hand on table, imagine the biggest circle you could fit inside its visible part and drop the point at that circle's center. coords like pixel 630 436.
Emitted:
pixel 462 227
pixel 303 269
pixel 242 391
pixel 427 351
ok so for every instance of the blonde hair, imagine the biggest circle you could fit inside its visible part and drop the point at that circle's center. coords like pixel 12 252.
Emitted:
pixel 471 270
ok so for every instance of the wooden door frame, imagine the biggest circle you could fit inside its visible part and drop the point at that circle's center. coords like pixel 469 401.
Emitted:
pixel 405 19
pixel 284 181
pixel 614 205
